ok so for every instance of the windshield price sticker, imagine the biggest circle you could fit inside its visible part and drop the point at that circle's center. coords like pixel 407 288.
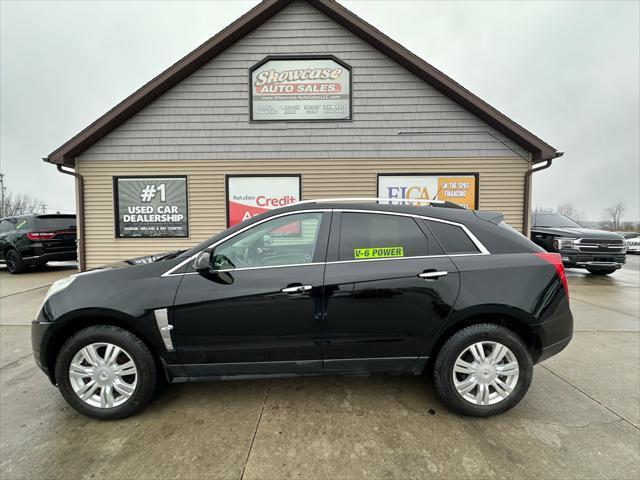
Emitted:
pixel 378 252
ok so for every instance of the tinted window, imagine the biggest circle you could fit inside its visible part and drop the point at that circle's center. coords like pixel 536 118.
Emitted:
pixel 55 222
pixel 369 235
pixel 22 223
pixel 452 238
pixel 282 241
pixel 6 226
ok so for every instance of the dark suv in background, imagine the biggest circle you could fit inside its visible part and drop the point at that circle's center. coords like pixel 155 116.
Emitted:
pixel 599 251
pixel 32 240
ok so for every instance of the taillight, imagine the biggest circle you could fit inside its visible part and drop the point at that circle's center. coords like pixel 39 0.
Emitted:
pixel 40 235
pixel 556 260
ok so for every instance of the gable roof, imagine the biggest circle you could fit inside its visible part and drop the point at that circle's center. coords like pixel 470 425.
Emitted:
pixel 64 155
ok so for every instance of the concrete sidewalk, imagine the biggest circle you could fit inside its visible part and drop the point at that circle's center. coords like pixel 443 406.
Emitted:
pixel 580 419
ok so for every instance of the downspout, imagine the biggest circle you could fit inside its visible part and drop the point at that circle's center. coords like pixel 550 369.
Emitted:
pixel 80 189
pixel 527 191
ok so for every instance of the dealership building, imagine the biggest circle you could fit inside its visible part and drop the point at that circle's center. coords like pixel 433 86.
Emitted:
pixel 295 100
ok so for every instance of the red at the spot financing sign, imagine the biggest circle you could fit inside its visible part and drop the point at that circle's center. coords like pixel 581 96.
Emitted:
pixel 250 196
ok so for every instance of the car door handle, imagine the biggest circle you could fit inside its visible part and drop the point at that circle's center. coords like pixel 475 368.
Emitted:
pixel 296 289
pixel 432 275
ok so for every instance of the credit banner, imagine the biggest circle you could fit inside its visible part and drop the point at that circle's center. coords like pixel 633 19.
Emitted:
pixel 151 207
pixel 250 196
pixel 460 189
pixel 309 89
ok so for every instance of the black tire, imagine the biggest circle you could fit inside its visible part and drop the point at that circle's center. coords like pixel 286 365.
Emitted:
pixel 457 344
pixel 601 271
pixel 147 372
pixel 14 262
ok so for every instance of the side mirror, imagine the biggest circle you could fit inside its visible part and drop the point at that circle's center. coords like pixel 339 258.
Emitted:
pixel 202 263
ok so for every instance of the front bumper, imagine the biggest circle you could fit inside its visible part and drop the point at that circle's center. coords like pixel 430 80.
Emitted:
pixel 595 260
pixel 41 333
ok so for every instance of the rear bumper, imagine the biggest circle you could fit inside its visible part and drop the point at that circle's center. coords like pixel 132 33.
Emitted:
pixel 554 349
pixel 44 256
pixel 555 333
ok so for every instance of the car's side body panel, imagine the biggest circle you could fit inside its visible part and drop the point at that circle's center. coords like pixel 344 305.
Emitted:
pixel 247 318
pixel 383 310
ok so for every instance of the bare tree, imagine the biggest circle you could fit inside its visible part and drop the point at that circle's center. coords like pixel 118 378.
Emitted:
pixel 614 215
pixel 542 210
pixel 567 210
pixel 20 204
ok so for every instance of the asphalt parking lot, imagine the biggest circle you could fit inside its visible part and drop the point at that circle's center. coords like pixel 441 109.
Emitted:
pixel 580 419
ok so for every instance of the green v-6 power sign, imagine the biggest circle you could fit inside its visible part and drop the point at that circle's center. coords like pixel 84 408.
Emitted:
pixel 151 207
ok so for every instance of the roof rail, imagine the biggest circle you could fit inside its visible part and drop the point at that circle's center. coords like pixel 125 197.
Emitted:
pixel 369 199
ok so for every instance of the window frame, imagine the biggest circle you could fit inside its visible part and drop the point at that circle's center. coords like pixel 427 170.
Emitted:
pixel 330 239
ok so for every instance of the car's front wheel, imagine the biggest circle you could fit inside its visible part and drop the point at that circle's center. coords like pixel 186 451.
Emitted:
pixel 483 370
pixel 601 271
pixel 106 372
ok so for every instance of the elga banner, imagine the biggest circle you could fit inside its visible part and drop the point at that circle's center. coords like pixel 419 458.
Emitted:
pixel 151 207
pixel 250 196
pixel 305 89
pixel 459 189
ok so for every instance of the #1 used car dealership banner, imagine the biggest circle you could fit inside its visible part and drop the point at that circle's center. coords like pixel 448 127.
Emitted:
pixel 248 196
pixel 151 207
pixel 301 89
pixel 460 189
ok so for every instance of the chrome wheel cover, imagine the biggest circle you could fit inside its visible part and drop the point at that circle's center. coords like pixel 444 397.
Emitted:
pixel 103 375
pixel 485 373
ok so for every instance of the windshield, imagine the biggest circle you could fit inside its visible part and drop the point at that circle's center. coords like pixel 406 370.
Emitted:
pixel 553 220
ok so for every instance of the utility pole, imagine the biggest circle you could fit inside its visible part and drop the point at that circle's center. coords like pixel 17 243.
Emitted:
pixel 1 195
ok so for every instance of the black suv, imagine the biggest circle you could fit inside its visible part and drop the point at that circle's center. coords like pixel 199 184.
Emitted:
pixel 599 251
pixel 320 287
pixel 32 240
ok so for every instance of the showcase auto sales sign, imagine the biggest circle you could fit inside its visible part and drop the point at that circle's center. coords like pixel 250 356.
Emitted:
pixel 305 89
pixel 250 196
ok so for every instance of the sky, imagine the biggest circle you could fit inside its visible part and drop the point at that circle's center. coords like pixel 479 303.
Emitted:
pixel 567 71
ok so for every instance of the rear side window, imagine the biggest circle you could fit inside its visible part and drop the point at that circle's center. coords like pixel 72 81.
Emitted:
pixel 6 226
pixel 368 235
pixel 54 222
pixel 453 239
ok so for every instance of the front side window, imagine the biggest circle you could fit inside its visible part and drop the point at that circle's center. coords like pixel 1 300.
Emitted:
pixel 453 239
pixel 287 240
pixel 366 236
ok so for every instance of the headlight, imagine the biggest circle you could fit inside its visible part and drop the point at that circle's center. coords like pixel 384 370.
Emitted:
pixel 564 243
pixel 57 287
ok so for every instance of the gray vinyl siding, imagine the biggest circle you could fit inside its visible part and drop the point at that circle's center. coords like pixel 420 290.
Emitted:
pixel 206 116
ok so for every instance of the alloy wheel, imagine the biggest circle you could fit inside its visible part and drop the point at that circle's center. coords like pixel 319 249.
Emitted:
pixel 103 375
pixel 485 373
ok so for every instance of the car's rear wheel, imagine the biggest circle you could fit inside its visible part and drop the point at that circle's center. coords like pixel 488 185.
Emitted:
pixel 106 372
pixel 601 271
pixel 483 370
pixel 14 262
